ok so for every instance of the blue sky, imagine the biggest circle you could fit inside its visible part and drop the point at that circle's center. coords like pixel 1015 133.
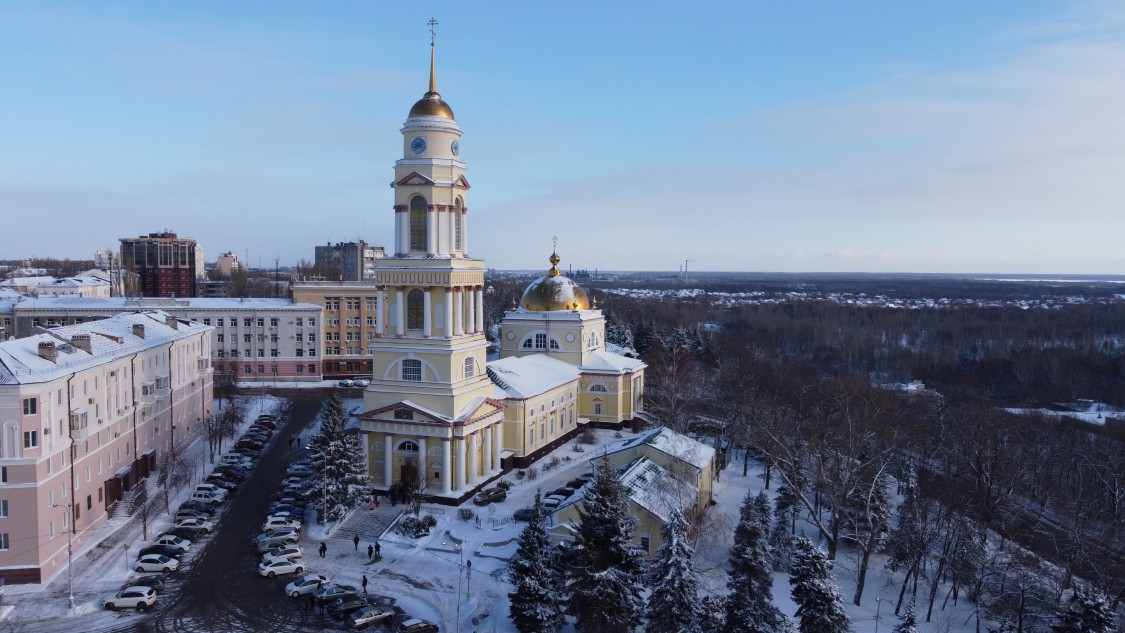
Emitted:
pixel 756 136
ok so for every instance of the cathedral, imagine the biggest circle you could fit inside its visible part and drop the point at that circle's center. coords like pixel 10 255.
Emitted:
pixel 437 413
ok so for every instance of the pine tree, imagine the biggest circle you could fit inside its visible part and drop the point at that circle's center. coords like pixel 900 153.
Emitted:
pixel 674 605
pixel 536 604
pixel 1088 613
pixel 750 602
pixel 781 537
pixel 338 456
pixel 820 606
pixel 907 622
pixel 604 570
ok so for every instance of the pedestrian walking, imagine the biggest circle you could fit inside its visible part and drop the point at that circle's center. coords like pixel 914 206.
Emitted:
pixel 290 442
pixel 364 583
pixel 310 604
pixel 356 542
pixel 371 502
pixel 323 549
pixel 370 552
pixel 377 548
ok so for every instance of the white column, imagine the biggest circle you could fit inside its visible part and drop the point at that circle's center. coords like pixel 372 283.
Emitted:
pixel 472 459
pixel 480 309
pixel 445 243
pixel 446 466
pixel 380 318
pixel 427 317
pixel 497 444
pixel 398 232
pixel 449 313
pixel 404 232
pixel 452 217
pixel 458 312
pixel 388 452
pixel 465 231
pixel 422 465
pixel 460 463
pixel 469 312
pixel 488 451
pixel 400 312
pixel 431 231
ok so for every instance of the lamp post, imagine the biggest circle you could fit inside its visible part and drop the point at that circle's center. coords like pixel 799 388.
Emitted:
pixel 125 546
pixel 460 566
pixel 69 554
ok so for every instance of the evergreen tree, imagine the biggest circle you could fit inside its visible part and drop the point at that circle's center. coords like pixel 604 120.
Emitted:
pixel 781 538
pixel 907 622
pixel 1088 613
pixel 673 605
pixel 750 602
pixel 536 604
pixel 820 606
pixel 338 457
pixel 604 570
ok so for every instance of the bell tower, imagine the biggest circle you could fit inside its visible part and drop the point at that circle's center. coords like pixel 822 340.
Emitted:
pixel 429 350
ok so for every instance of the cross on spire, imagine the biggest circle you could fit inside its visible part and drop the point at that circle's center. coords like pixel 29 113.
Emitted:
pixel 432 23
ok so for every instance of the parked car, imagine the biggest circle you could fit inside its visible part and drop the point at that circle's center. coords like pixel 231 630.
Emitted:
pixel 190 533
pixel 287 550
pixel 161 550
pixel 211 488
pixel 252 453
pixel 156 562
pixel 367 616
pixel 347 382
pixel 270 544
pixel 278 507
pixel 563 492
pixel 200 524
pixel 156 582
pixel 286 532
pixel 267 421
pixel 172 540
pixel 278 565
pixel 343 607
pixel 236 459
pixel 524 514
pixel 137 597
pixel 236 472
pixel 198 507
pixel 330 593
pixel 248 443
pixel 207 497
pixel 276 522
pixel 306 584
pixel 415 625
pixel 361 382
pixel 490 495
pixel 221 481
pixel 299 470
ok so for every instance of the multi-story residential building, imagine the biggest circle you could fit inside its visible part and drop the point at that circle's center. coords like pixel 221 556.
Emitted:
pixel 226 264
pixel 165 262
pixel 77 286
pixel 355 261
pixel 262 339
pixel 349 323
pixel 87 411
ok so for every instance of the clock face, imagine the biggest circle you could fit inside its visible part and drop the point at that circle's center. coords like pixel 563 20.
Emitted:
pixel 455 147
pixel 418 145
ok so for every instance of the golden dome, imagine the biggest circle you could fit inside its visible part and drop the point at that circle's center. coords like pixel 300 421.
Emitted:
pixel 431 104
pixel 553 292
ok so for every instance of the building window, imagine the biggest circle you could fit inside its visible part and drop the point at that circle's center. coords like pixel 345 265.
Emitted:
pixel 261 353
pixel 408 446
pixel 645 542
pixel 4 543
pixel 404 414
pixel 30 406
pixel 541 341
pixel 261 322
pixel 597 408
pixel 412 370
pixel 531 436
pixel 415 309
pixel 30 439
pixel 300 352
pixel 312 369
pixel 300 368
pixel 470 367
pixel 3 474
pixel 246 322
pixel 273 353
pixel 458 218
pixel 312 322
pixel 273 322
pixel 220 338
pixel 3 508
pixel 598 388
pixel 300 321
pixel 248 369
pixel 261 369
pixel 418 224
pixel 219 322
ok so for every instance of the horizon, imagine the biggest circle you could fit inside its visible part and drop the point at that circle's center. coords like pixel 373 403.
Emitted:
pixel 882 138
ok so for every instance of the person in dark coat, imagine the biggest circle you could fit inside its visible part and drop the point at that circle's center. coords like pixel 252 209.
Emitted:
pixel 364 583
pixel 323 549
pixel 311 604
pixel 370 551
pixel 377 549
pixel 356 542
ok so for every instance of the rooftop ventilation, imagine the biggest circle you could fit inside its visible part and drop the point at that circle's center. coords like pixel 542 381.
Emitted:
pixel 82 342
pixel 47 351
pixel 139 330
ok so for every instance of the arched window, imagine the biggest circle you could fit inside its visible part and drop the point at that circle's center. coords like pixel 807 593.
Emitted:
pixel 415 310
pixel 418 217
pixel 10 440
pixel 470 367
pixel 458 221
pixel 407 446
pixel 598 388
pixel 412 370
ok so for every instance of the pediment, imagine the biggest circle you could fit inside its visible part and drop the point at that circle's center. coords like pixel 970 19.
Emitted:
pixel 419 414
pixel 487 407
pixel 414 179
pixel 461 183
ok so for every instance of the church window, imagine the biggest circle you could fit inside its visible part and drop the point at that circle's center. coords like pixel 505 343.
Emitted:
pixel 597 408
pixel 415 309
pixel 412 370
pixel 527 343
pixel 554 344
pixel 404 414
pixel 418 223
pixel 408 446
pixel 541 341
pixel 598 388
pixel 458 220
pixel 470 367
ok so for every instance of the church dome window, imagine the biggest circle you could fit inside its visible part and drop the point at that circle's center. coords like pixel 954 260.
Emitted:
pixel 412 370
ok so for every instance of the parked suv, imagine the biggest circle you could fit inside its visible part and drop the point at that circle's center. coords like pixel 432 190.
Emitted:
pixel 414 625
pixel 490 495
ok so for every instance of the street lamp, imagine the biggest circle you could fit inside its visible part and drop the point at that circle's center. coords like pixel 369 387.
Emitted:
pixel 69 553
pixel 125 546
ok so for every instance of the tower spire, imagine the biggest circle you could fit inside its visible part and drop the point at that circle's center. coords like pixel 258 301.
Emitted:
pixel 433 83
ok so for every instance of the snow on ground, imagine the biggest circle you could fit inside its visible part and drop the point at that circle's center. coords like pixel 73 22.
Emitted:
pixel 422 575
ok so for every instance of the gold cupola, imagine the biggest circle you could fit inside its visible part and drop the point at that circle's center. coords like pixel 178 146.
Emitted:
pixel 554 291
pixel 431 104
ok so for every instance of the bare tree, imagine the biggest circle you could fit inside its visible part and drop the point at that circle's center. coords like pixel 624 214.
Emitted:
pixel 175 472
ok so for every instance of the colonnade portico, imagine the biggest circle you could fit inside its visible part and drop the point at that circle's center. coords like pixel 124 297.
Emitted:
pixel 463 466
pixel 463 311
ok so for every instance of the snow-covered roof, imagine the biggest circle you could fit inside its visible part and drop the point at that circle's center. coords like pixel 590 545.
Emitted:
pixel 16 282
pixel 668 442
pixel 649 485
pixel 527 376
pixel 157 303
pixel 601 360
pixel 20 362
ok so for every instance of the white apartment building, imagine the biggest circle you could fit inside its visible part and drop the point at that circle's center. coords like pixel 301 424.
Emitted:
pixel 86 411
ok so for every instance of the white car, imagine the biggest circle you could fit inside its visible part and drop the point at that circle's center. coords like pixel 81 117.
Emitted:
pixel 202 525
pixel 285 551
pixel 361 382
pixel 347 382
pixel 132 598
pixel 276 565
pixel 305 585
pixel 299 470
pixel 213 489
pixel 285 533
pixel 171 540
pixel 276 522
pixel 156 562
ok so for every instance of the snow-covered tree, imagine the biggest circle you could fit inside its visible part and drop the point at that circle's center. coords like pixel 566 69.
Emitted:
pixel 907 622
pixel 1088 613
pixel 536 604
pixel 604 570
pixel 338 457
pixel 673 605
pixel 781 537
pixel 820 606
pixel 750 602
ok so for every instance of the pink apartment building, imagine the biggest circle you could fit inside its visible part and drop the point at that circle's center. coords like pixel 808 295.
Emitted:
pixel 86 411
